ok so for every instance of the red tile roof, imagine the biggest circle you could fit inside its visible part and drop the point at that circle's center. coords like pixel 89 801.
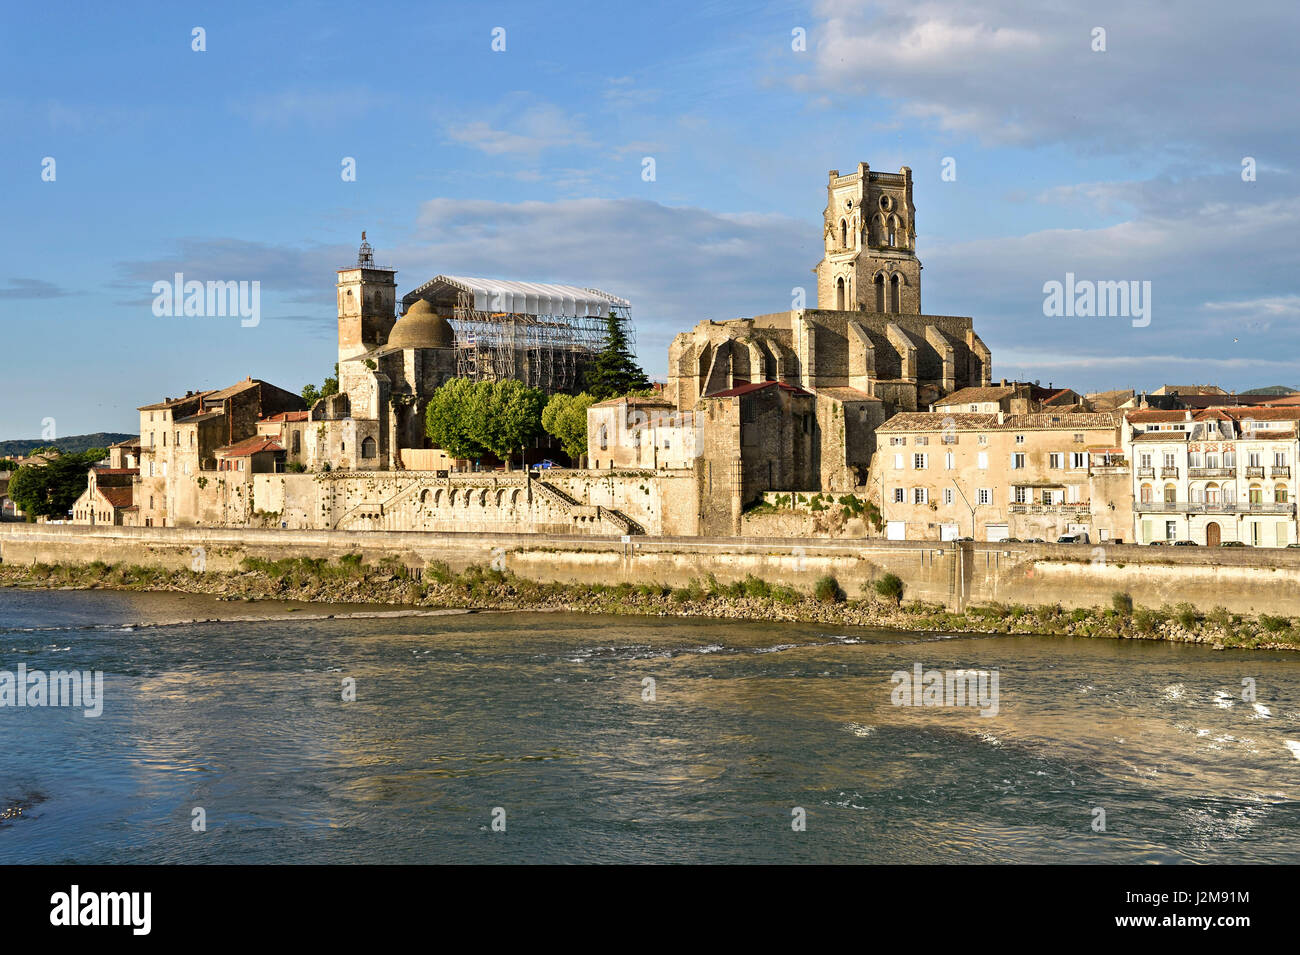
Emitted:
pixel 289 416
pixel 249 446
pixel 755 386
pixel 118 496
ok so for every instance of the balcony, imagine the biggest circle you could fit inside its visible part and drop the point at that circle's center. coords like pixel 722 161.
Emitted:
pixel 1067 510
pixel 1169 472
pixel 1201 507
pixel 1254 472
pixel 1146 472
pixel 1211 472
pixel 1281 471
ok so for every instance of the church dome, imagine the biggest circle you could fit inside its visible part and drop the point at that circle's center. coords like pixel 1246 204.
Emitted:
pixel 422 327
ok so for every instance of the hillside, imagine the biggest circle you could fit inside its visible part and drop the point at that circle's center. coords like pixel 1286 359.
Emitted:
pixel 72 444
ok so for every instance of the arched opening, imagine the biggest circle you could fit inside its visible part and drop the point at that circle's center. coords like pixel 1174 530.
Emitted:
pixel 368 447
pixel 839 293
pixel 844 234
pixel 1280 494
pixel 880 292
pixel 895 293
pixel 1212 494
pixel 1256 494
pixel 1171 493
pixel 1213 534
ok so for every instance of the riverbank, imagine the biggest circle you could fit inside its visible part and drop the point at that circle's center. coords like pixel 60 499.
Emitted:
pixel 881 603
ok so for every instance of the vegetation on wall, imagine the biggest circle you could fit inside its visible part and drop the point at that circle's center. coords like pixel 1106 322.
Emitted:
pixel 311 394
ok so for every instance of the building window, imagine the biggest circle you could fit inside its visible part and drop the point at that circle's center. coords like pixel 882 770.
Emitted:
pixel 898 442
pixel 297 442
pixel 898 495
pixel 1072 494
pixel 947 495
pixel 1020 439
pixel 604 438
pixel 983 439
pixel 1171 494
pixel 984 496
pixel 1079 459
pixel 1017 462
pixel 982 461
pixel 1054 461
pixel 922 440
pixel 1020 495
pixel 898 462
pixel 368 447
pixel 920 495
pixel 1171 530
pixel 920 462
pixel 948 461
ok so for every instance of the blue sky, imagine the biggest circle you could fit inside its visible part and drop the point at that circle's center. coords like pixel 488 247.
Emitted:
pixel 526 164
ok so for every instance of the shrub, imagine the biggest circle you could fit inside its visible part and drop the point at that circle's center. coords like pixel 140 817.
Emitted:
pixel 681 595
pixel 1186 616
pixel 1079 614
pixel 757 586
pixel 828 590
pixel 1145 620
pixel 1273 624
pixel 890 587
pixel 1121 602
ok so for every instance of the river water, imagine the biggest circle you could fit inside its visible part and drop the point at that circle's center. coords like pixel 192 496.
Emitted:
pixel 541 723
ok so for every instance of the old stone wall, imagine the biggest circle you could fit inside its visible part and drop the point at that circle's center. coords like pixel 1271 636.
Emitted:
pixel 955 575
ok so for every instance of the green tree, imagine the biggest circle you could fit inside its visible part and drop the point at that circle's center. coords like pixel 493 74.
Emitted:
pixel 51 488
pixel 311 394
pixel 513 418
pixel 565 419
pixel 453 415
pixel 615 371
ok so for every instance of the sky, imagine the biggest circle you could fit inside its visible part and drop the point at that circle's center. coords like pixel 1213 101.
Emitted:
pixel 1161 150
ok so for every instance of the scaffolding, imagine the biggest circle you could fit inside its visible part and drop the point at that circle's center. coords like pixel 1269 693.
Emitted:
pixel 541 335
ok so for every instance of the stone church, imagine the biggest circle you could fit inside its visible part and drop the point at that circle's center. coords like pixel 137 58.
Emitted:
pixel 865 353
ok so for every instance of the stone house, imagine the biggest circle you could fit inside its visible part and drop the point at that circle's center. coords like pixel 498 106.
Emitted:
pixel 991 477
pixel 109 498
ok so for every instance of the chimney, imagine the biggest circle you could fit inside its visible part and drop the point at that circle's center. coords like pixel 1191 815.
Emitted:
pixel 1002 417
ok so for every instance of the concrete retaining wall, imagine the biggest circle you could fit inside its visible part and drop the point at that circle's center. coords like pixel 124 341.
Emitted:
pixel 1241 579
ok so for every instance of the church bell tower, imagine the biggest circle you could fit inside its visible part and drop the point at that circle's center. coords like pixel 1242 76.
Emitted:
pixel 367 298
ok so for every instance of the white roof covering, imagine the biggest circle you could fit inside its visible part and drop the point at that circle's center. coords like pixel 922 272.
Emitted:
pixel 520 298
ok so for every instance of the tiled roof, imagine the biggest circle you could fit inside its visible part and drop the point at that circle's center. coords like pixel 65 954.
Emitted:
pixel 117 470
pixel 128 443
pixel 249 446
pixel 289 416
pixel 970 396
pixel 173 402
pixel 118 496
pixel 755 386
pixel 1043 420
pixel 847 394
pixel 634 403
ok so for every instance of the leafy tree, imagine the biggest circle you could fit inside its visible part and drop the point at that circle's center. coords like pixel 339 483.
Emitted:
pixel 311 394
pixel 8 464
pixel 565 419
pixel 468 418
pixel 615 371
pixel 513 418
pixel 51 488
pixel 451 419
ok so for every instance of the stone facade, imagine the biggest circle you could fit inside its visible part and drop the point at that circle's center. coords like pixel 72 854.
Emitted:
pixel 943 476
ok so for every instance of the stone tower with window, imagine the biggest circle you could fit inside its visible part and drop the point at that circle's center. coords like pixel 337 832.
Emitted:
pixel 870 262
pixel 367 304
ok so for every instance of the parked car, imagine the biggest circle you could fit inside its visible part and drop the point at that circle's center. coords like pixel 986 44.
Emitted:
pixel 1242 544
pixel 1156 543
pixel 1072 539
pixel 1010 540
pixel 1034 540
pixel 544 465
pixel 961 539
pixel 1186 544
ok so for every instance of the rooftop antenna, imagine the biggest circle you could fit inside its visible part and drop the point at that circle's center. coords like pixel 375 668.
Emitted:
pixel 365 254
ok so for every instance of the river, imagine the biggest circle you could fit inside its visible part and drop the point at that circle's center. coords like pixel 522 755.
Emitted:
pixel 536 737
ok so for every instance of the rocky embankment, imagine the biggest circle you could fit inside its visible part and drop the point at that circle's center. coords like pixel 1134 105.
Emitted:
pixel 881 604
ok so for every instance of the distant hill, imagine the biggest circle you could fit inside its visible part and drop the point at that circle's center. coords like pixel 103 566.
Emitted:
pixel 72 444
pixel 1271 390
